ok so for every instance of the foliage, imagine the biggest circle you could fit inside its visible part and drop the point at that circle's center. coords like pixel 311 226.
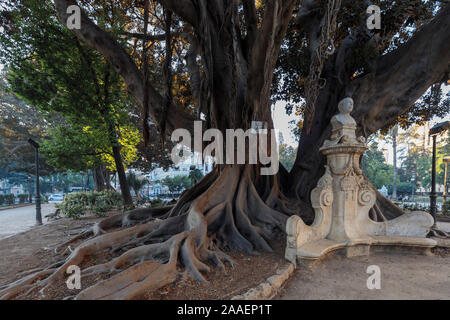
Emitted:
pixel 177 183
pixel 22 198
pixel 73 85
pixel 77 204
pixel 18 123
pixel 446 208
pixel 415 207
pixel 156 202
pixel 400 20
pixel 287 155
pixel 135 182
pixel 6 199
pixel 403 188
pixel 195 175
pixel 64 180
pixel 375 168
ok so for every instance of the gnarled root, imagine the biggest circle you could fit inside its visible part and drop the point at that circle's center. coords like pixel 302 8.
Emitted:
pixel 436 232
pixel 223 212
pixel 121 220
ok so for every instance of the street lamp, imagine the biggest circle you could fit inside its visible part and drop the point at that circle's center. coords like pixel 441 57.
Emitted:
pixel 413 186
pixel 437 129
pixel 35 145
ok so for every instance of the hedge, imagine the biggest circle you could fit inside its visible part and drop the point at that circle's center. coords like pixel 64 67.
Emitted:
pixel 77 204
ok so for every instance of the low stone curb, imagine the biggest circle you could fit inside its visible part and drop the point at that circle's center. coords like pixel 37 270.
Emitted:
pixel 17 206
pixel 269 288
pixel 441 218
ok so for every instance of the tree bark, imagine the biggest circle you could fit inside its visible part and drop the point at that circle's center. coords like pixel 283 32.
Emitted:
pixel 394 154
pixel 124 188
pixel 99 178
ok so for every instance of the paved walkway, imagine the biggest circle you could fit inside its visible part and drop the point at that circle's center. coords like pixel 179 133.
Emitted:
pixel 13 221
pixel 444 226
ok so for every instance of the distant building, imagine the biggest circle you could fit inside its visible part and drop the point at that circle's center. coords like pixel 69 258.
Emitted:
pixel 180 170
pixel 16 190
pixel 154 188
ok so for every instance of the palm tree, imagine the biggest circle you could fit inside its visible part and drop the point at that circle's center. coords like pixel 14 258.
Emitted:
pixel 195 174
pixel 135 182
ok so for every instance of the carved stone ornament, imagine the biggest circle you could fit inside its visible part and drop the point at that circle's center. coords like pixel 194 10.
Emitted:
pixel 341 202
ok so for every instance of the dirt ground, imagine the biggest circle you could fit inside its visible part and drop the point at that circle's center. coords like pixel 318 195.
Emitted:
pixel 34 249
pixel 403 276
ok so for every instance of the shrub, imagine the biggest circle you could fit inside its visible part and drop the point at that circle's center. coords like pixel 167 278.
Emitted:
pixel 23 198
pixel 77 204
pixel 6 199
pixel 446 208
pixel 156 202
pixel 105 201
pixel 415 207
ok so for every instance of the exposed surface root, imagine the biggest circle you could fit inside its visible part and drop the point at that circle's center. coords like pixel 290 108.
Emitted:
pixel 435 232
pixel 227 210
pixel 126 219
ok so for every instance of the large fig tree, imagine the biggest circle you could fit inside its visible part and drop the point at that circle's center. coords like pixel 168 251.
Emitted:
pixel 215 61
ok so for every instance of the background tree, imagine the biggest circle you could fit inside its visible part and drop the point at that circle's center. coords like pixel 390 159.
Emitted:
pixel 177 184
pixel 135 182
pixel 375 168
pixel 394 137
pixel 75 83
pixel 287 155
pixel 195 175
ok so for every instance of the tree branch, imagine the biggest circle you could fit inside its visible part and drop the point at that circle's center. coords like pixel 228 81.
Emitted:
pixel 185 9
pixel 403 76
pixel 156 37
pixel 251 22
pixel 117 56
pixel 264 53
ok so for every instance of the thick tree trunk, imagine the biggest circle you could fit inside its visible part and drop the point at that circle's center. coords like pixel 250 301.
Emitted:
pixel 99 178
pixel 394 154
pixel 107 178
pixel 124 187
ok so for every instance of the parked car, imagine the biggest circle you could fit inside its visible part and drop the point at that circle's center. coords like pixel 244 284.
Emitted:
pixel 55 198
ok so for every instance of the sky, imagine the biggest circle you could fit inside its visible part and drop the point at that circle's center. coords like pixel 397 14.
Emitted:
pixel 281 122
